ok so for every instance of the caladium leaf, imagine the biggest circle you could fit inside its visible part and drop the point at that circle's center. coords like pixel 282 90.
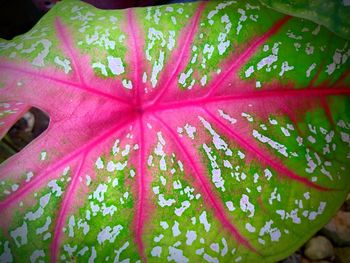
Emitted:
pixel 334 14
pixel 195 132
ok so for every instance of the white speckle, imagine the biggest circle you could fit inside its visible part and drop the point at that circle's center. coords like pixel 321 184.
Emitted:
pixel 93 255
pixel 241 155
pixel 44 200
pixel 14 187
pixel 100 66
pixel 215 247
pixel 267 174
pixel 163 202
pixel 190 130
pixel 274 233
pixel 127 84
pixel 106 210
pixel 311 139
pixel 191 236
pixel 162 180
pixel 314 214
pixel 279 147
pixel 274 195
pixel 99 193
pixel 144 77
pixel 345 137
pixel 65 63
pixel 285 67
pixel 181 210
pixel 83 251
pixel 208 49
pixel 249 71
pixel 184 76
pixel 250 228
pixel 109 234
pixel 210 259
pixel 111 166
pixel 242 18
pixel 246 206
pixel 204 80
pixel 311 68
pixel 269 60
pixel 171 40
pixel 164 225
pixel 39 59
pixel 99 163
pixel 175 229
pixel 157 67
pixel 115 65
pixel 230 206
pixel 219 143
pixel 307 195
pixel 115 182
pixel 203 220
pixel 177 184
pixel 155 190
pixel 273 121
pixel 6 256
pixel 45 227
pixel 71 224
pixel 176 255
pixel 285 132
pixel 247 116
pixel 160 152
pixel 29 175
pixel 200 251
pixel 156 251
pixel 150 160
pixel 227 117
pixel 35 256
pixel 238 259
pixel 115 148
pixel 55 188
pixel 88 180
pixel 217 179
pixel 19 235
pixel 43 155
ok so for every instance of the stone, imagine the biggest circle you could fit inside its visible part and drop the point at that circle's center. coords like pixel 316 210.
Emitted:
pixel 342 255
pixel 305 260
pixel 318 248
pixel 338 229
pixel 294 258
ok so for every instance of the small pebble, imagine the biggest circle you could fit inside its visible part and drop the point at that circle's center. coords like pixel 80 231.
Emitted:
pixel 338 229
pixel 342 255
pixel 318 248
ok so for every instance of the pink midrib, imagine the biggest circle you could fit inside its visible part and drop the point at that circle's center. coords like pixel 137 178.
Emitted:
pixel 248 53
pixel 139 215
pixel 41 177
pixel 258 152
pixel 294 93
pixel 137 54
pixel 185 49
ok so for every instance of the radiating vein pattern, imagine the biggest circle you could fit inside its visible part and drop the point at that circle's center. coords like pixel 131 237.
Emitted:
pixel 198 132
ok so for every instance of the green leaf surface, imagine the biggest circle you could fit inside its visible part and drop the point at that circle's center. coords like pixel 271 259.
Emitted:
pixel 333 14
pixel 199 132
